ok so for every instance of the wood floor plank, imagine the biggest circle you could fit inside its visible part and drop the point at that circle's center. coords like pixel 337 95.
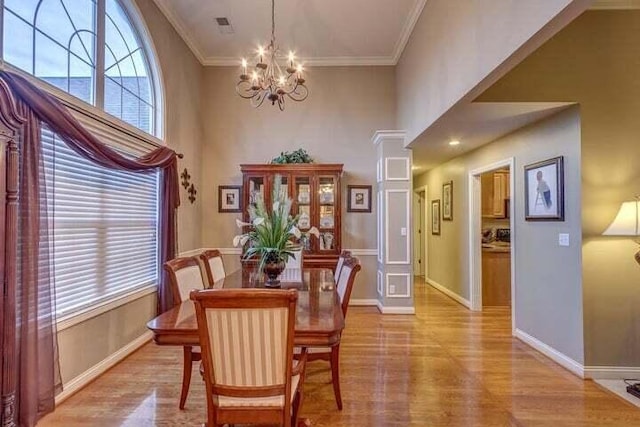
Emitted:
pixel 445 366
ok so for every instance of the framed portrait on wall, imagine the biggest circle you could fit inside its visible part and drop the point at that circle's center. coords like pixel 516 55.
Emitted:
pixel 358 198
pixel 229 198
pixel 435 217
pixel 447 201
pixel 544 190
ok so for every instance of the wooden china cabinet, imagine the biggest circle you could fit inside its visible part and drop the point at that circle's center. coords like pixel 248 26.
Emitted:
pixel 316 191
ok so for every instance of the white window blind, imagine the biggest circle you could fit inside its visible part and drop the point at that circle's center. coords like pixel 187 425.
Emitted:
pixel 104 228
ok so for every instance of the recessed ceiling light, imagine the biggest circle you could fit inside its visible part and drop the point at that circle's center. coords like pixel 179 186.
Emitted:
pixel 454 142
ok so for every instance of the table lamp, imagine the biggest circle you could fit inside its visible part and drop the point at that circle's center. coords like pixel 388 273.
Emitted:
pixel 626 222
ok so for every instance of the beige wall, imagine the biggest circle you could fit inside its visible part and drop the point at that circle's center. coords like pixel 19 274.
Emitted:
pixel 84 345
pixel 458 44
pixel 548 290
pixel 335 125
pixel 595 61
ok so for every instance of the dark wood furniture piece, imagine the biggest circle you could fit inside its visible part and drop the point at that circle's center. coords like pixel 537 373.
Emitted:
pixel 185 275
pixel 331 354
pixel 319 318
pixel 213 265
pixel 10 123
pixel 241 387
pixel 316 192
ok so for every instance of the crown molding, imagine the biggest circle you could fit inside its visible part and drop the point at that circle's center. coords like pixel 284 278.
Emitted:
pixel 407 29
pixel 337 61
pixel 330 61
pixel 179 26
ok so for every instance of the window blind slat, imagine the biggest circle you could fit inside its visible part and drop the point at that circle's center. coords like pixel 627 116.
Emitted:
pixel 104 228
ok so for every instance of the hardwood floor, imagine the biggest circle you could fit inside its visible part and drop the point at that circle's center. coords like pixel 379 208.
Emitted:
pixel 445 366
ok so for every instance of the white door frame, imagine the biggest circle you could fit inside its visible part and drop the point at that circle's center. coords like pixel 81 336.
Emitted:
pixel 425 264
pixel 475 230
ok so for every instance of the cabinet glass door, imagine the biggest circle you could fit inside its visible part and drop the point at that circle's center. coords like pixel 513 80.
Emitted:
pixel 327 221
pixel 302 207
pixel 256 189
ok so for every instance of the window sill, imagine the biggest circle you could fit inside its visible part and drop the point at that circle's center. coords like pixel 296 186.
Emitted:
pixel 68 321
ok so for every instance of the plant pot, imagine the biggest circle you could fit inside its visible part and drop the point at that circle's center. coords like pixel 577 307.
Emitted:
pixel 273 270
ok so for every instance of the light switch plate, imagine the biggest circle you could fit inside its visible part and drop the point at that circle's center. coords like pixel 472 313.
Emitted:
pixel 563 239
pixel 403 231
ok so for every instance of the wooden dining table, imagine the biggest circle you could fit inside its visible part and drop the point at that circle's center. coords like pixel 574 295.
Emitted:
pixel 319 319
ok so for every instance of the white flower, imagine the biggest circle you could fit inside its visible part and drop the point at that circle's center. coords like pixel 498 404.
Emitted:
pixel 236 240
pixel 241 224
pixel 259 220
pixel 295 231
pixel 244 240
pixel 276 206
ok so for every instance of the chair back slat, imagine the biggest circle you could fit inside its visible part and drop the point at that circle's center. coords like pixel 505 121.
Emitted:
pixel 213 265
pixel 295 262
pixel 344 255
pixel 184 276
pixel 347 278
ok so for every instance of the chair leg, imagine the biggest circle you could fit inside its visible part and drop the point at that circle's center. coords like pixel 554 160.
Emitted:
pixel 335 374
pixel 186 375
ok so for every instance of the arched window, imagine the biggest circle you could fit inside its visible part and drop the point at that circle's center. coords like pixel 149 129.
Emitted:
pixel 104 221
pixel 91 49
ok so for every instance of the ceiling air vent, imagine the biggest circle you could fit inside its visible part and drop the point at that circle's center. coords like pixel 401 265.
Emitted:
pixel 224 25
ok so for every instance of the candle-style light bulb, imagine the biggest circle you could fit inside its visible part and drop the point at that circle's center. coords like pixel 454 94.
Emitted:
pixel 244 66
pixel 254 77
pixel 291 58
pixel 260 52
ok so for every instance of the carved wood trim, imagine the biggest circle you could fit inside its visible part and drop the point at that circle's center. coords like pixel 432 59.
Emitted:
pixel 10 123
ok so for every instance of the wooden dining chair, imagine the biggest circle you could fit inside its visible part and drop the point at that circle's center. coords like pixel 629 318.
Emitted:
pixel 185 275
pixel 213 265
pixel 246 337
pixel 349 271
pixel 343 256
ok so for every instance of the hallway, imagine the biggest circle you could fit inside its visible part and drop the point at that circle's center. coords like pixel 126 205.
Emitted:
pixel 446 366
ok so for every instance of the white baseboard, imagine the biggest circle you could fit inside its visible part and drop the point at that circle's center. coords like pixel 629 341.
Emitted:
pixel 553 354
pixel 611 372
pixel 363 302
pixel 457 298
pixel 94 372
pixel 394 310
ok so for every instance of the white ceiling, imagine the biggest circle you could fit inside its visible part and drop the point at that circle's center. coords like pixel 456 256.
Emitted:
pixel 321 32
pixel 474 125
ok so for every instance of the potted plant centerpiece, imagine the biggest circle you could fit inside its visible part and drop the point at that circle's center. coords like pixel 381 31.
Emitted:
pixel 273 234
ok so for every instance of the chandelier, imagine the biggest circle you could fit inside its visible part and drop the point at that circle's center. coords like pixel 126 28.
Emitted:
pixel 267 80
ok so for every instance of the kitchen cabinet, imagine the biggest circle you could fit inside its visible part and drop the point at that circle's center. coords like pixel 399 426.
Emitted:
pixel 496 277
pixel 495 189
pixel 315 191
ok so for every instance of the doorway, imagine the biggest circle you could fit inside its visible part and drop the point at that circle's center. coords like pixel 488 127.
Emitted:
pixel 491 237
pixel 419 232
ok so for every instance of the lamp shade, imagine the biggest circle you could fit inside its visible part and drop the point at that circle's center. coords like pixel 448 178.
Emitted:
pixel 627 221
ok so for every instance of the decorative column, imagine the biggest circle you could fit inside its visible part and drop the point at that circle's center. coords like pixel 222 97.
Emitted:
pixel 393 194
pixel 10 122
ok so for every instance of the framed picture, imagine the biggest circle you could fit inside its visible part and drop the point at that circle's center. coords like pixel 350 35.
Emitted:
pixel 435 217
pixel 447 201
pixel 359 198
pixel 229 198
pixel 544 190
